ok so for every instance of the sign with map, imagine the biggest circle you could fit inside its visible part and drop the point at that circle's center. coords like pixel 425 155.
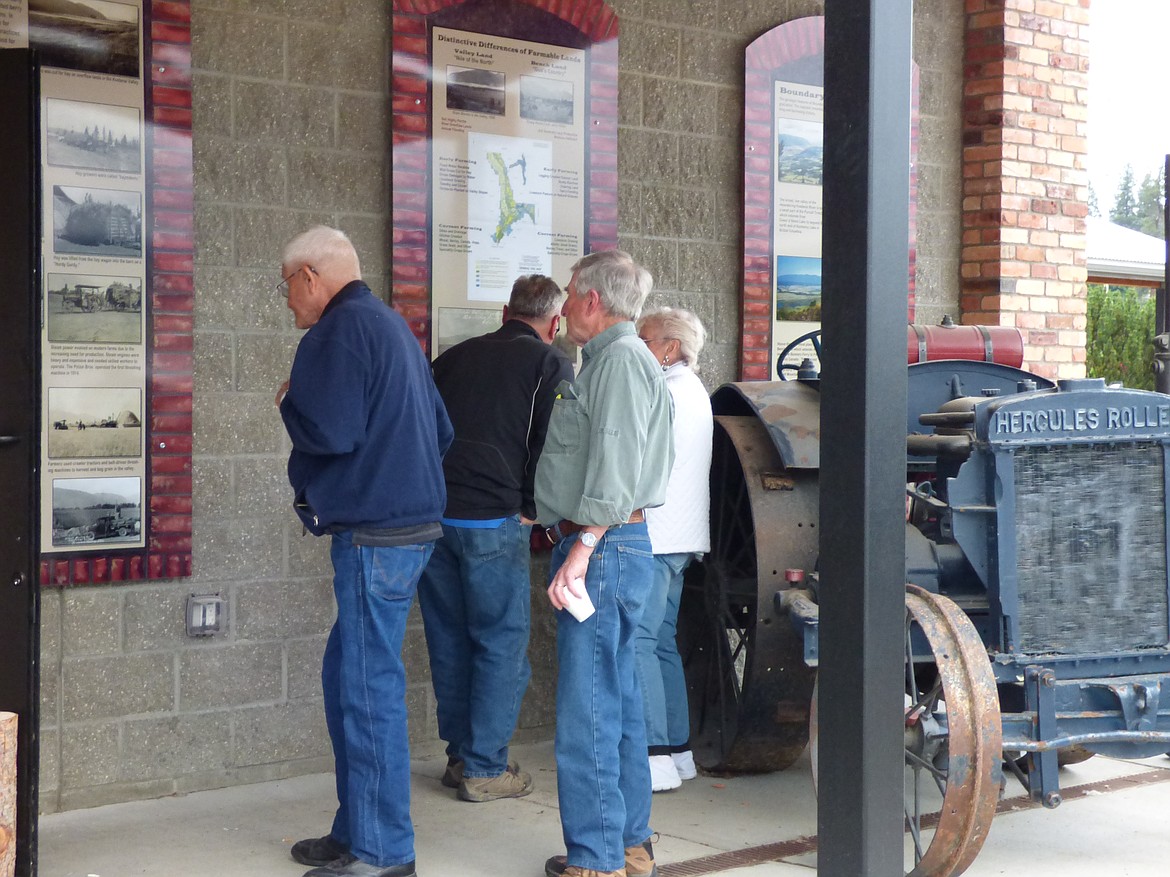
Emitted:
pixel 508 173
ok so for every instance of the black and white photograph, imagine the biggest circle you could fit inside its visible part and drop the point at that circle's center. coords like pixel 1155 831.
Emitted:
pixel 546 100
pixel 95 422
pixel 93 136
pixel 92 35
pixel 93 309
pixel 475 90
pixel 96 510
pixel 97 222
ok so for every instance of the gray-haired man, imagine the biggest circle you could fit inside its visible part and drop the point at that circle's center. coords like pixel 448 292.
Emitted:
pixel 474 593
pixel 606 458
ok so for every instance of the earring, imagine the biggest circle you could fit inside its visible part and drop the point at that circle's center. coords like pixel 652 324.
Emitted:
pixel 665 360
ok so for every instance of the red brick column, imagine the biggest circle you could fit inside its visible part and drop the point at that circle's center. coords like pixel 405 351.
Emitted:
pixel 1025 187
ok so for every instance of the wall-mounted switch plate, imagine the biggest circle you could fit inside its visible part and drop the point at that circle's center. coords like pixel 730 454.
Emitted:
pixel 206 615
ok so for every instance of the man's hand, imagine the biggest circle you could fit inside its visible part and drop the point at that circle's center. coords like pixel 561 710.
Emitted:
pixel 281 393
pixel 576 566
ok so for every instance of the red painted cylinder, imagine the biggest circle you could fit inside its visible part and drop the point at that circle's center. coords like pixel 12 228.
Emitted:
pixel 1001 344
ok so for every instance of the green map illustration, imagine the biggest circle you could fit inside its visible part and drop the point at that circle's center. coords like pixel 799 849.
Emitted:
pixel 511 211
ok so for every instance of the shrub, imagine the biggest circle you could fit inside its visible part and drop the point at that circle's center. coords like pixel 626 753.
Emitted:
pixel 1121 335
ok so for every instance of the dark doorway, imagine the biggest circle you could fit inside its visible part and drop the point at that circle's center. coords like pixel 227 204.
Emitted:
pixel 20 431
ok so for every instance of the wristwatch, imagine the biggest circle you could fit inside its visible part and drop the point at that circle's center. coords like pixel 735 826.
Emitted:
pixel 588 540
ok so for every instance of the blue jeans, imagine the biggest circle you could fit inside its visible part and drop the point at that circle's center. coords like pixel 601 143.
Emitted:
pixel 475 595
pixel 660 672
pixel 365 697
pixel 603 776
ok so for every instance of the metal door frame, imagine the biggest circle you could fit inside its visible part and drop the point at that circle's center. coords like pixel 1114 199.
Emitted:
pixel 20 432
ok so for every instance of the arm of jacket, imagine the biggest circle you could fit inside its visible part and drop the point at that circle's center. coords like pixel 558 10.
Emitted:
pixel 443 427
pixel 325 410
pixel 555 369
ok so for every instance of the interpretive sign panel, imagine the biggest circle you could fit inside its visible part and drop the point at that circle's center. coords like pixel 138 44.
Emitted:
pixel 783 181
pixel 508 159
pixel 116 259
pixel 505 153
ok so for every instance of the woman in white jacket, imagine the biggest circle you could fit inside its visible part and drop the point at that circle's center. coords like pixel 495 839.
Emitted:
pixel 679 531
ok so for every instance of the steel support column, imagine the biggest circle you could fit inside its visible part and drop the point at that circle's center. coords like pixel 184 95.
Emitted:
pixel 863 423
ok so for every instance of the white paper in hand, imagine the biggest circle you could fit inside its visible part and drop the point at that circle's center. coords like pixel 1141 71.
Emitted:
pixel 579 607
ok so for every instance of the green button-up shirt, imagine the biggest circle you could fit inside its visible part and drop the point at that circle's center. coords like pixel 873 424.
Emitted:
pixel 609 447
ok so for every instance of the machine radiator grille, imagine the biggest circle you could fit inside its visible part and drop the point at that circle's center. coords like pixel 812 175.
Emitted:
pixel 1091 541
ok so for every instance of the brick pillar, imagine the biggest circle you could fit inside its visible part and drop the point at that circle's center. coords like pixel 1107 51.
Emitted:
pixel 1025 186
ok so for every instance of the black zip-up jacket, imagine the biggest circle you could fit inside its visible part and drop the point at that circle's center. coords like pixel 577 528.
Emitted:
pixel 498 390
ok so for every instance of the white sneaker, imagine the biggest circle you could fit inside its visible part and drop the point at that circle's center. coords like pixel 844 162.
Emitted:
pixel 663 774
pixel 684 763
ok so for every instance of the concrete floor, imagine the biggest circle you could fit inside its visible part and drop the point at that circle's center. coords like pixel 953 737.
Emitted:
pixel 1114 825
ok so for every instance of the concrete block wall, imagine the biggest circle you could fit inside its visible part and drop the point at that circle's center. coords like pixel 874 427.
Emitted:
pixel 291 125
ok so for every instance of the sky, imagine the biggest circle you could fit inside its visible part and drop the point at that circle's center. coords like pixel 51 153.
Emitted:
pixel 1129 108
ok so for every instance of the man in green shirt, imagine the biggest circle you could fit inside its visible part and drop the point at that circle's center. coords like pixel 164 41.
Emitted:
pixel 607 456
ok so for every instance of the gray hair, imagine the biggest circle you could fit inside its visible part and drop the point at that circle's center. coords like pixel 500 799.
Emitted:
pixel 325 249
pixel 621 283
pixel 681 325
pixel 535 296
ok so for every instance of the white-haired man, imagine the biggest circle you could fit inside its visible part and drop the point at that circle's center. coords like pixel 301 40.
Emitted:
pixel 368 433
pixel 607 456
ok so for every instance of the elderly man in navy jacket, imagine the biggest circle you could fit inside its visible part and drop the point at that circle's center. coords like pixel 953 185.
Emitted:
pixel 368 432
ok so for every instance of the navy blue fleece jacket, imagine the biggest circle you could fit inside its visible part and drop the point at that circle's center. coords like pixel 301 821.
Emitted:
pixel 368 428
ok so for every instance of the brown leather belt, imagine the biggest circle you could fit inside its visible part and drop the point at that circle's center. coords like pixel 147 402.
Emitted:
pixel 563 529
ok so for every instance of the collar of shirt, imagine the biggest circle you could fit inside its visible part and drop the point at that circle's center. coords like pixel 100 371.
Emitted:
pixel 599 342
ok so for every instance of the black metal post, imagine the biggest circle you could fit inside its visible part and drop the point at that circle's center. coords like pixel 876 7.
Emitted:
pixel 20 431
pixel 863 435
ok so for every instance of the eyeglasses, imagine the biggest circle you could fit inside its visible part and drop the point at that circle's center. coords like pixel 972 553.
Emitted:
pixel 283 288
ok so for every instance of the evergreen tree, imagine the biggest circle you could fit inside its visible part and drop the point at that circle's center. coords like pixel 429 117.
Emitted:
pixel 1150 204
pixel 1094 207
pixel 1124 210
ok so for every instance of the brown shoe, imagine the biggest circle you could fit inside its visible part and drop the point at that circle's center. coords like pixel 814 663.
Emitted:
pixel 574 871
pixel 453 775
pixel 512 783
pixel 639 863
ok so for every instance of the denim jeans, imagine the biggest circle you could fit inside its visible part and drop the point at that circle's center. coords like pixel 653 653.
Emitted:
pixel 603 776
pixel 660 672
pixel 475 595
pixel 365 697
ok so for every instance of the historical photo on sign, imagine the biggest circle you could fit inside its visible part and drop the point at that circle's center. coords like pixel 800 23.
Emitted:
pixel 93 35
pixel 95 422
pixel 96 510
pixel 475 90
pixel 97 222
pixel 94 309
pixel 94 136
pixel 546 100
pixel 798 288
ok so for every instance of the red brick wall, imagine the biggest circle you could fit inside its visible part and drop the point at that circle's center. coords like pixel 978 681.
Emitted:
pixel 1025 186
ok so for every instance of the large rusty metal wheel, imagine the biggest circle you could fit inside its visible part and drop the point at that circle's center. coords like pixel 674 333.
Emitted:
pixel 953 737
pixel 748 685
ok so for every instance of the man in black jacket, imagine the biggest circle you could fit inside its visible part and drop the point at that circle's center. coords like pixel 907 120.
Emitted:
pixel 499 390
